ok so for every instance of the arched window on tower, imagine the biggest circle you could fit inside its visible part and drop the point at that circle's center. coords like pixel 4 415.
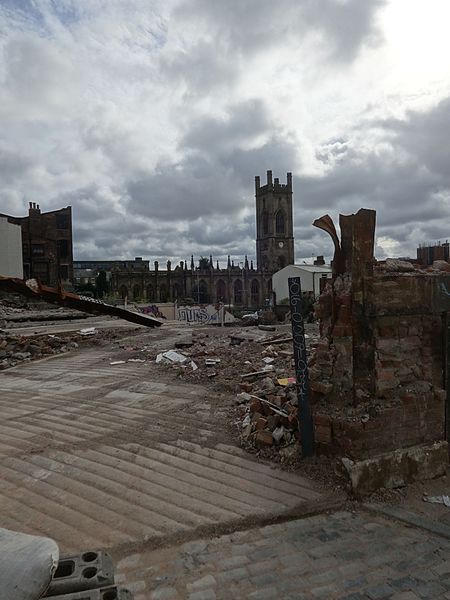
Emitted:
pixel 279 222
pixel 265 222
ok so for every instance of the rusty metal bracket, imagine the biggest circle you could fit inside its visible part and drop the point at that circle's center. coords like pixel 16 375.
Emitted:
pixel 34 289
pixel 326 223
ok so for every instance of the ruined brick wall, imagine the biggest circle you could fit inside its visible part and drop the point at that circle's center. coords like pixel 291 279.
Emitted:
pixel 400 401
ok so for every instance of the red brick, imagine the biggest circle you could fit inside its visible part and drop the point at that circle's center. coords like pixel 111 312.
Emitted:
pixel 246 387
pixel 255 405
pixel 261 423
pixel 322 420
pixel 264 438
pixel 322 434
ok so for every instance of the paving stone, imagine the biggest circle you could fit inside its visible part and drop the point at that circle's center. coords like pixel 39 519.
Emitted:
pixel 404 583
pixel 260 567
pixel 379 592
pixel 324 591
pixel 358 582
pixel 266 594
pixel 429 590
pixel 233 562
pixel 204 582
pixel 265 579
pixel 442 567
pixel 203 595
pixel 164 593
pixel 232 575
pixel 351 567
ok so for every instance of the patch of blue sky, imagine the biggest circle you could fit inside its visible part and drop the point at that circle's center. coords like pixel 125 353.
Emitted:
pixel 34 14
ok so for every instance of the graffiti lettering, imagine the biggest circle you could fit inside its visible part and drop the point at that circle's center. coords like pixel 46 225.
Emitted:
pixel 198 314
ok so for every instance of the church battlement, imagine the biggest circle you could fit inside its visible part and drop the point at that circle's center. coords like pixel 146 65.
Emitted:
pixel 273 185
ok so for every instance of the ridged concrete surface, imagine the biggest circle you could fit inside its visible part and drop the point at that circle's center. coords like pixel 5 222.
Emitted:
pixel 96 455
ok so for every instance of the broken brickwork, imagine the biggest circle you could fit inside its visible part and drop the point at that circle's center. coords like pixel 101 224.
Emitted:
pixel 377 376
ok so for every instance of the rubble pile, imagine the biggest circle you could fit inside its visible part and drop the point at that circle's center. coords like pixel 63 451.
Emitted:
pixel 15 310
pixel 224 360
pixel 17 349
pixel 268 415
pixel 258 367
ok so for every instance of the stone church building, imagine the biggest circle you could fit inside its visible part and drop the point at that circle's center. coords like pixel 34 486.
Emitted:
pixel 242 284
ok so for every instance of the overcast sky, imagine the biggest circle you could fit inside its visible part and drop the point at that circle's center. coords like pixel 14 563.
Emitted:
pixel 152 117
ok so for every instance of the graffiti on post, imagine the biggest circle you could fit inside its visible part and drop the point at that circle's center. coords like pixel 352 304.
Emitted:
pixel 306 425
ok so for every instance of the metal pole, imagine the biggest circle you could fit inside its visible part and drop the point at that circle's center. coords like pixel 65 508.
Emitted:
pixel 447 375
pixel 306 426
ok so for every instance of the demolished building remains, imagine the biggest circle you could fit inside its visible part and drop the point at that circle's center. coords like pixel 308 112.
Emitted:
pixel 378 374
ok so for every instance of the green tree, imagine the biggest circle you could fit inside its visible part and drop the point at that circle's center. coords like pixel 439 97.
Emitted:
pixel 102 284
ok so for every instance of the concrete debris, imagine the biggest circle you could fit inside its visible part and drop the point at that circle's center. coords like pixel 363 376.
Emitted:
pixel 397 468
pixel 438 500
pixel 118 362
pixel 88 331
pixel 175 357
pixel 211 362
pixel 397 265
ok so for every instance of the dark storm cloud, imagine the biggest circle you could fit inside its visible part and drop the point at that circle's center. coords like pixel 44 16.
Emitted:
pixel 215 177
pixel 13 165
pixel 228 34
pixel 425 135
pixel 247 26
pixel 407 183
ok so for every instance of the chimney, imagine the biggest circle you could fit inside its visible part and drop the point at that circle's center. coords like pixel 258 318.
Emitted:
pixel 269 178
pixel 319 262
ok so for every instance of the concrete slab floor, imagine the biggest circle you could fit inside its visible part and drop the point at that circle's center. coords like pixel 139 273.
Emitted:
pixel 103 456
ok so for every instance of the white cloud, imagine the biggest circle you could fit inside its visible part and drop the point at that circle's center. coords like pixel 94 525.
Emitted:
pixel 152 117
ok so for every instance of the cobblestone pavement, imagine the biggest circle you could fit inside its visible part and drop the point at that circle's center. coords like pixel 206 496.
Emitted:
pixel 343 556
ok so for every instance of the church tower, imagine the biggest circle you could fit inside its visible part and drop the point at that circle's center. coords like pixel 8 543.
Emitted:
pixel 274 224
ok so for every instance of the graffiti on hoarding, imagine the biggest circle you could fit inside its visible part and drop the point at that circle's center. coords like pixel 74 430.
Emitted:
pixel 152 310
pixel 198 314
pixel 206 315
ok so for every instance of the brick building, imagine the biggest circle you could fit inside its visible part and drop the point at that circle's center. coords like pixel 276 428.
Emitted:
pixel 239 284
pixel 46 244
pixel 426 255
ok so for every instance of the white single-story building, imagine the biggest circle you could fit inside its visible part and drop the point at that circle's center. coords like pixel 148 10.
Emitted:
pixel 11 263
pixel 310 276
